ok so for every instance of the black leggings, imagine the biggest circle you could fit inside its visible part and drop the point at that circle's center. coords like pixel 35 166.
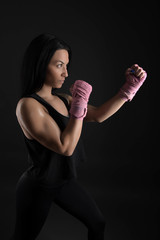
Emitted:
pixel 33 203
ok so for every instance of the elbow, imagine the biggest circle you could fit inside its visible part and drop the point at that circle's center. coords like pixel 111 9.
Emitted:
pixel 97 117
pixel 68 153
pixel 98 120
pixel 101 119
pixel 67 148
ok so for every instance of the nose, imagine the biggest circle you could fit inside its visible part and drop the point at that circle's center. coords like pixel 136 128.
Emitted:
pixel 65 72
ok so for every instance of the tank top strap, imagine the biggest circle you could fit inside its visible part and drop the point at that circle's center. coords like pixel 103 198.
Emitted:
pixel 45 103
pixel 40 100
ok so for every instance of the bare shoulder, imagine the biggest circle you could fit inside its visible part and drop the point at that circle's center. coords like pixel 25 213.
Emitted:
pixel 27 106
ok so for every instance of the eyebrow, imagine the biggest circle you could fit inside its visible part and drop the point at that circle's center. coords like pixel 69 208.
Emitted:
pixel 61 62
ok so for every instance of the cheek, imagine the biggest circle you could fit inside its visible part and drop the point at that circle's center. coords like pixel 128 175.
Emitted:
pixel 52 72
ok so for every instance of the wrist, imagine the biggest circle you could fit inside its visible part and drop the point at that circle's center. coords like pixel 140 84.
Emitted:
pixel 74 118
pixel 122 95
pixel 78 112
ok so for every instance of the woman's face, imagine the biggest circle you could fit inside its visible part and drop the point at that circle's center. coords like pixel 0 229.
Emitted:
pixel 57 69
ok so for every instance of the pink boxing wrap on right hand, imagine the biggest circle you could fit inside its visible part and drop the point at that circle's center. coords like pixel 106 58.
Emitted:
pixel 131 86
pixel 80 95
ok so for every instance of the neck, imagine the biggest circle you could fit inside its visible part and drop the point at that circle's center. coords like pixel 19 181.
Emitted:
pixel 45 91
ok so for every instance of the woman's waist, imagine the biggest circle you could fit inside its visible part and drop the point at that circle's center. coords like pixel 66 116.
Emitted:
pixel 28 177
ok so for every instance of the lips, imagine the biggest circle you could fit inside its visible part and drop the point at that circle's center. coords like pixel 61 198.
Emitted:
pixel 62 81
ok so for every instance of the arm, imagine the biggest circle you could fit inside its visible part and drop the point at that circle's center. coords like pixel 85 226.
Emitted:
pixel 135 76
pixel 41 126
pixel 104 111
pixel 36 120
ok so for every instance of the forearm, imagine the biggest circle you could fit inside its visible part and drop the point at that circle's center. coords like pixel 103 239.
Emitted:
pixel 80 94
pixel 108 108
pixel 70 136
pixel 135 76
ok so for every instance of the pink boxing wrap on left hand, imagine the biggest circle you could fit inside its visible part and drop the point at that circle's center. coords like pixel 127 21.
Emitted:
pixel 131 86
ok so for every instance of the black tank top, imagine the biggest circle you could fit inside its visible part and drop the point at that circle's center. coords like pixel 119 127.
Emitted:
pixel 47 167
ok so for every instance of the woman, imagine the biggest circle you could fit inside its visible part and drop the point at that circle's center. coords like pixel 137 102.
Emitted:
pixel 51 124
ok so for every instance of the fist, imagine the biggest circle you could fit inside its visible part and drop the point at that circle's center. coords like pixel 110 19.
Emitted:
pixel 136 73
pixel 80 91
pixel 135 76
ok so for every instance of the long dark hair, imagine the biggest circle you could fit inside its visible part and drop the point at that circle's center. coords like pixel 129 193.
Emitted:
pixel 36 59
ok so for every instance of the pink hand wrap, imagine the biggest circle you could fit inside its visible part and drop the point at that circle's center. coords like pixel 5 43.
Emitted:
pixel 80 95
pixel 131 86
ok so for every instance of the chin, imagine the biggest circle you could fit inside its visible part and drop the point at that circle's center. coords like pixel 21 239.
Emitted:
pixel 57 86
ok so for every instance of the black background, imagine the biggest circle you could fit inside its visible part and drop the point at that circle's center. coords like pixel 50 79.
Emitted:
pixel 122 169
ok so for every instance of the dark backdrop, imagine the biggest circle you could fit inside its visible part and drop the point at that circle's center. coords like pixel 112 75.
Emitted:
pixel 123 162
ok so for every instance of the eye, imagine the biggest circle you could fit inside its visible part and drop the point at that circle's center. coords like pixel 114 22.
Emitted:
pixel 59 65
